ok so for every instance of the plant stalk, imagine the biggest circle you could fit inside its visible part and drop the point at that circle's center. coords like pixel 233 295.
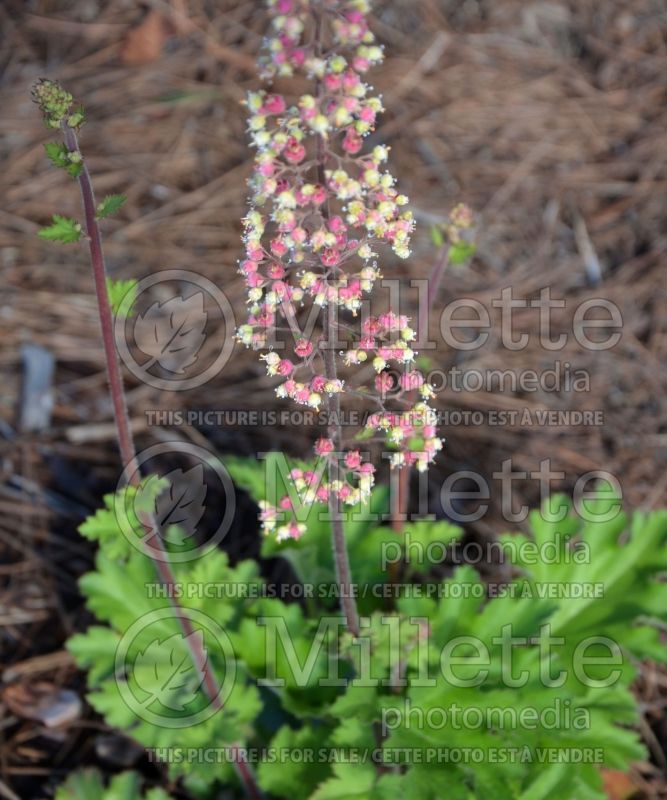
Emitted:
pixel 341 557
pixel 128 452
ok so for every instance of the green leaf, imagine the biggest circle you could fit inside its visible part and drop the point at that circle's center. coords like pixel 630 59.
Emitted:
pixel 63 229
pixel 95 650
pixel 166 672
pixel 81 786
pixel 119 291
pixel 57 153
pixel 295 778
pixel 437 236
pixel 63 158
pixel 461 252
pixel 351 781
pixel 87 784
pixel 123 786
pixel 111 204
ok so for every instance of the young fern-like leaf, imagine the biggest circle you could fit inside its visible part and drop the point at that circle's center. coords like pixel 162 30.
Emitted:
pixel 63 230
pixel 111 204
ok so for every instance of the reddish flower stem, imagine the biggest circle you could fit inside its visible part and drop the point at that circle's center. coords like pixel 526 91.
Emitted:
pixel 129 456
pixel 341 557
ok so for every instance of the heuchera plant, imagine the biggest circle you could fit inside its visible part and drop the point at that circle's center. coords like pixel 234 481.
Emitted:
pixel 419 660
pixel 322 207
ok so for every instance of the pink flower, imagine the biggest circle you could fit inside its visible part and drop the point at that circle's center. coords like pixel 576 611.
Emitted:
pixel 302 395
pixel 330 257
pixel 294 151
pixel 323 447
pixel 276 271
pixel 248 266
pixel 320 213
pixel 353 459
pixel 303 348
pixel 333 82
pixel 278 247
pixel 336 225
pixel 352 143
pixel 274 104
pixel 345 491
pixel 319 195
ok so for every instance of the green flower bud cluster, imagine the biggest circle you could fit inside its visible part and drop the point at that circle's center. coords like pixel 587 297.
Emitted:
pixel 55 103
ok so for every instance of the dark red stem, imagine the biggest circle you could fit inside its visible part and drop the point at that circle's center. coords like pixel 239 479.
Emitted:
pixel 128 452
pixel 341 557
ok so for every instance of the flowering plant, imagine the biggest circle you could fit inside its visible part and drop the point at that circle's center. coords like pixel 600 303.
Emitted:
pixel 321 209
pixel 427 703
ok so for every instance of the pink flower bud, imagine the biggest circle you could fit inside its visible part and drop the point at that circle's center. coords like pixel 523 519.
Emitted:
pixel 336 225
pixel 248 266
pixel 345 491
pixel 274 104
pixel 367 114
pixel 302 395
pixel 254 280
pixel 323 447
pixel 353 459
pixel 319 195
pixel 350 80
pixel 352 143
pixel 333 82
pixel 294 152
pixel 276 271
pixel 255 253
pixel 330 257
pixel 303 348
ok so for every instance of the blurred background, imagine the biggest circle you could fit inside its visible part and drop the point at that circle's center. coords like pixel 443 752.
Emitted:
pixel 549 119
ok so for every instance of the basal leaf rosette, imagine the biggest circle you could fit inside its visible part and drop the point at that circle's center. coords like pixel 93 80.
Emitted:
pixel 321 208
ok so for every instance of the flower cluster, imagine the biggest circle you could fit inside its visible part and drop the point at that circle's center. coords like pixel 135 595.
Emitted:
pixel 309 486
pixel 55 103
pixel 320 209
